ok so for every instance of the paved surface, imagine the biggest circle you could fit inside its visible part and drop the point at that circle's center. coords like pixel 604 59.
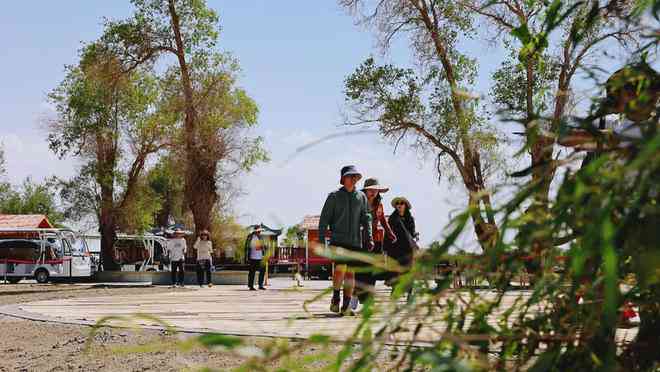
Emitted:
pixel 229 309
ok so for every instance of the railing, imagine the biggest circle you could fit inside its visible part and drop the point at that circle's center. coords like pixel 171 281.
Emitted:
pixel 284 255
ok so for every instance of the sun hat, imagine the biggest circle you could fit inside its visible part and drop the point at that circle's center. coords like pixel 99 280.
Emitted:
pixel 349 170
pixel 373 184
pixel 401 199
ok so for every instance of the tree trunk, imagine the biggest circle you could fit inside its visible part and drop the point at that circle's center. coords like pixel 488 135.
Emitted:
pixel 200 170
pixel 108 235
pixel 201 192
pixel 486 230
pixel 106 156
pixel 107 228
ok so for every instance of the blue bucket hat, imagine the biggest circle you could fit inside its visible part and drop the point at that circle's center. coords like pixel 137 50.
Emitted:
pixel 349 170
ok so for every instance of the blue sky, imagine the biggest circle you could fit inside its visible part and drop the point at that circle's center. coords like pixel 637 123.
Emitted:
pixel 294 57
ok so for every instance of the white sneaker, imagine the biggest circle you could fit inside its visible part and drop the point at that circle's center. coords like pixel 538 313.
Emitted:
pixel 354 303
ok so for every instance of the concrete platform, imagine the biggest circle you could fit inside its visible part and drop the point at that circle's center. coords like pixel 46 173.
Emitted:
pixel 277 312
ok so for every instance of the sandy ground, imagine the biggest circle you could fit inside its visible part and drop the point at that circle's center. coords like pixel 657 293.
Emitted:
pixel 38 346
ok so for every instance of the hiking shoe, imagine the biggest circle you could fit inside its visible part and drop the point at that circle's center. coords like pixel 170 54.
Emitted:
pixel 210 285
pixel 347 311
pixel 334 304
pixel 252 288
pixel 354 303
pixel 262 288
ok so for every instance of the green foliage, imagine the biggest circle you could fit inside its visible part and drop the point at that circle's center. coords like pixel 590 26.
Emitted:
pixel 31 198
pixel 294 235
pixel 510 85
pixel 401 101
pixel 80 195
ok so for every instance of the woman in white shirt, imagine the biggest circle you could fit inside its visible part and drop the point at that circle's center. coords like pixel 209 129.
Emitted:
pixel 204 248
pixel 176 248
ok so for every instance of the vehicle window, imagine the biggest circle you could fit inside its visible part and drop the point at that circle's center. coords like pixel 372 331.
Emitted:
pixel 67 247
pixel 129 251
pixel 19 249
pixel 158 251
pixel 78 246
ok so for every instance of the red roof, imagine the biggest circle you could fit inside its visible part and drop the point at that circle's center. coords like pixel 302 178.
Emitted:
pixel 24 221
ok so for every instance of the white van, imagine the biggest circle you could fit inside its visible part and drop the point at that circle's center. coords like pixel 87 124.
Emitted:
pixel 135 252
pixel 43 254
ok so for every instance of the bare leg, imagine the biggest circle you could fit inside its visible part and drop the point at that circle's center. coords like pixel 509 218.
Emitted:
pixel 338 276
pixel 349 284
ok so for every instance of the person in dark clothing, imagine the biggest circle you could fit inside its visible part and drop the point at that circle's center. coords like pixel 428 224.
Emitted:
pixel 344 212
pixel 255 253
pixel 402 222
pixel 366 281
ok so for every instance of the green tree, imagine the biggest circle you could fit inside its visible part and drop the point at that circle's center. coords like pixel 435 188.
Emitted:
pixel 168 185
pixel 294 235
pixel 433 104
pixel 109 113
pixel 32 198
pixel 534 86
pixel 213 111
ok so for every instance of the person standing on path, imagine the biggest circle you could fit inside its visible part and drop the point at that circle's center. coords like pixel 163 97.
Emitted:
pixel 254 252
pixel 403 224
pixel 366 281
pixel 204 248
pixel 176 248
pixel 344 212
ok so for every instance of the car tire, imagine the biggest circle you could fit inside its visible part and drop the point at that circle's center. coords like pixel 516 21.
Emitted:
pixel 41 276
pixel 14 280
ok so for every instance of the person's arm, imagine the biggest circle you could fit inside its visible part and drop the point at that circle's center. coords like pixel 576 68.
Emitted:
pixel 247 247
pixel 397 226
pixel 365 217
pixel 386 224
pixel 327 216
pixel 196 245
pixel 414 232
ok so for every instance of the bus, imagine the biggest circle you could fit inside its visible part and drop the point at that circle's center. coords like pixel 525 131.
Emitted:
pixel 45 255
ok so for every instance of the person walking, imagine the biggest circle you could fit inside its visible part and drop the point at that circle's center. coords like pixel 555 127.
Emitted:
pixel 365 281
pixel 403 224
pixel 204 248
pixel 176 248
pixel 254 252
pixel 344 212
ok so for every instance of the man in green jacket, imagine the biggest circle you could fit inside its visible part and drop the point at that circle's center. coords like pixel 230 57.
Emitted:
pixel 344 212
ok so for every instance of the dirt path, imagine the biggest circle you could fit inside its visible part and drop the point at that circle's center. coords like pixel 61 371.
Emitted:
pixel 38 346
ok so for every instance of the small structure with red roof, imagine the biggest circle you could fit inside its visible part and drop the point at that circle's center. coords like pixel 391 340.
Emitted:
pixel 34 221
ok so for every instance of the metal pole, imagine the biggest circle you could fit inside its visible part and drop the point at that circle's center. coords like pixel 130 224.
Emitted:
pixel 307 258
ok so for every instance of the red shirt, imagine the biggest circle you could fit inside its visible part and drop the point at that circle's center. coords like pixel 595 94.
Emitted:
pixel 378 217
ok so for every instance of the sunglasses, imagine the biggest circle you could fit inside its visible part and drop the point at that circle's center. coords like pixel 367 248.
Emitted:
pixel 400 203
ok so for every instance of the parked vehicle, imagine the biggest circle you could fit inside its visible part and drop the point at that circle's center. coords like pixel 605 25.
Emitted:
pixel 136 252
pixel 43 254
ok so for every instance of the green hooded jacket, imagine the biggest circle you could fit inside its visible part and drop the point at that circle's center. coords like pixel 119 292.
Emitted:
pixel 344 212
